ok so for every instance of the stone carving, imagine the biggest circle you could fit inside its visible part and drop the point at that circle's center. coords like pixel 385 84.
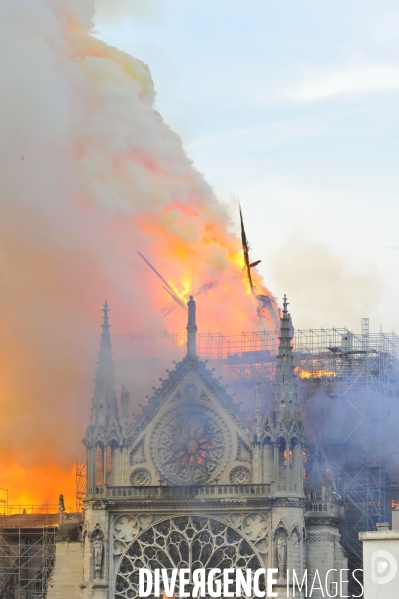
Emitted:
pixel 137 455
pixel 118 547
pixel 191 313
pixel 262 546
pixel 254 526
pixel 190 446
pixel 140 477
pixel 126 527
pixel 314 537
pixel 144 520
pixel 98 547
pixel 240 475
pixel 190 390
pixel 236 519
pixel 184 542
pixel 244 454
pixel 281 545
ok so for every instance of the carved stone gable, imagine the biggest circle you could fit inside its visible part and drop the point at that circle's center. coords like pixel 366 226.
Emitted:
pixel 244 454
pixel 188 382
pixel 137 455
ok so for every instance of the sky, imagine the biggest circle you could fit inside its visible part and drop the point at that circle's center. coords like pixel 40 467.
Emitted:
pixel 292 107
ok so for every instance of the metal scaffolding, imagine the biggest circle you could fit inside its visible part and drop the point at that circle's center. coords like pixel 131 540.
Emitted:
pixel 27 550
pixel 354 379
pixel 348 384
pixel 80 484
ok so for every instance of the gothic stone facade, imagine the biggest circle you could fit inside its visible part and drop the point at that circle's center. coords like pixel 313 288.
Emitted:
pixel 191 483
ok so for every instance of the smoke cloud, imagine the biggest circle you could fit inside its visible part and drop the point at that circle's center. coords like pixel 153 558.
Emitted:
pixel 89 174
pixel 329 289
pixel 116 9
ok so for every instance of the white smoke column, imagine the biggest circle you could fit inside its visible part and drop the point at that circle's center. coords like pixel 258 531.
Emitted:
pixel 89 174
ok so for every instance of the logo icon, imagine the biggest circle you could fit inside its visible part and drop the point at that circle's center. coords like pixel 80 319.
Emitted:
pixel 383 567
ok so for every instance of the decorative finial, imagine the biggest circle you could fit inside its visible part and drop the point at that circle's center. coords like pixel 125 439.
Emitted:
pixel 191 314
pixel 285 304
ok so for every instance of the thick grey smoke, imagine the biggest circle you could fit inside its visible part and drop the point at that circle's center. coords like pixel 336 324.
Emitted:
pixel 89 174
pixel 329 289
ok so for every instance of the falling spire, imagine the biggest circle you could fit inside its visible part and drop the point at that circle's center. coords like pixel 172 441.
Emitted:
pixel 104 404
pixel 285 389
pixel 245 250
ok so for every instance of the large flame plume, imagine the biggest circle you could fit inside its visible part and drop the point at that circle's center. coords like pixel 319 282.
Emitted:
pixel 90 174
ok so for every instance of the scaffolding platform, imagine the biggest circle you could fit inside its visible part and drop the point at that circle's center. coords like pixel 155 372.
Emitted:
pixel 27 548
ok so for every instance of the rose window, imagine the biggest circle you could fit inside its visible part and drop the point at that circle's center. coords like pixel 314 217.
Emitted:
pixel 184 542
pixel 192 445
pixel 189 446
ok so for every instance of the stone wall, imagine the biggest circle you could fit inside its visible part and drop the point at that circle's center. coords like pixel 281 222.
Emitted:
pixel 66 577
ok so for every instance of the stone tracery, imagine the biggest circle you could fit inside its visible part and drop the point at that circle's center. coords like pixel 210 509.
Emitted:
pixel 184 542
pixel 190 446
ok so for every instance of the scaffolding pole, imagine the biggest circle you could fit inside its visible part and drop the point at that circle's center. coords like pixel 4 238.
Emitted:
pixel 351 379
pixel 27 550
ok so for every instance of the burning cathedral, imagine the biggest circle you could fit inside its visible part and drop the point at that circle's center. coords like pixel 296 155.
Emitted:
pixel 193 483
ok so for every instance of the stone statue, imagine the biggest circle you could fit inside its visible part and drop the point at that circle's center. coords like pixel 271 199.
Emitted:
pixel 61 503
pixel 281 555
pixel 125 396
pixel 191 313
pixel 98 555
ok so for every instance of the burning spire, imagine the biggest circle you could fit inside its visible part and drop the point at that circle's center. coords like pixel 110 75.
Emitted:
pixel 245 250
pixel 285 389
pixel 266 303
pixel 104 404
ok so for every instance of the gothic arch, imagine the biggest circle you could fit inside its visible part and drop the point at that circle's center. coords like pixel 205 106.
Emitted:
pixel 97 529
pixel 281 524
pixel 280 548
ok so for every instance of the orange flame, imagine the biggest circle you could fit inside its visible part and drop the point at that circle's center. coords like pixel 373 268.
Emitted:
pixel 314 374
pixel 101 177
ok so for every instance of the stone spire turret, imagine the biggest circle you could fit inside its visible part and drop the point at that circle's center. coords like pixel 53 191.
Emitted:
pixel 104 405
pixel 285 389
pixel 191 329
